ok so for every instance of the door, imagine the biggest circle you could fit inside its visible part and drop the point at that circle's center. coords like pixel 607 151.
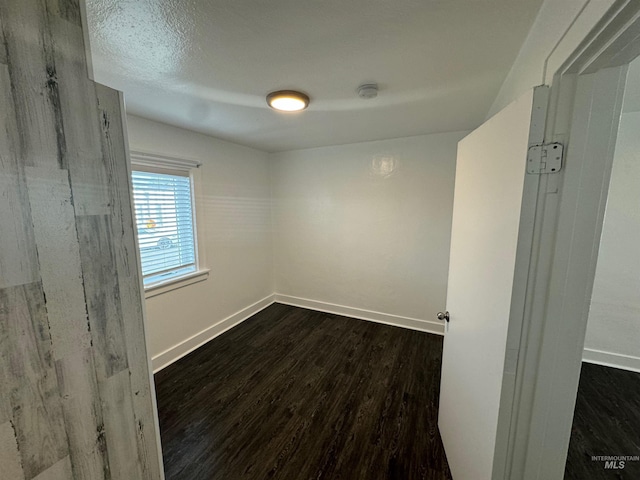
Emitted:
pixel 490 248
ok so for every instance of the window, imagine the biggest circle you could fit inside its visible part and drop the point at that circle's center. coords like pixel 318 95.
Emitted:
pixel 164 216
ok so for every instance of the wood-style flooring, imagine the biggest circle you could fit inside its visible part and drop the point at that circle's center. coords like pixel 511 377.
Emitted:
pixel 606 422
pixel 297 394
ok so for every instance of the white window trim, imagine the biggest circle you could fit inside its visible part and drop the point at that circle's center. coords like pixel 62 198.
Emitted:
pixel 159 288
pixel 153 160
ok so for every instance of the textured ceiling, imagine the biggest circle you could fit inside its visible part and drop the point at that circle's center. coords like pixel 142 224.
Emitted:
pixel 207 65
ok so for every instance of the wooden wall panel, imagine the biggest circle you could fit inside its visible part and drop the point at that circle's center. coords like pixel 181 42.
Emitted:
pixel 76 400
pixel 59 471
pixel 3 49
pixel 58 253
pixel 124 457
pixel 102 293
pixel 18 263
pixel 82 154
pixel 34 398
pixel 34 83
pixel 66 9
pixel 82 408
pixel 9 455
pixel 110 107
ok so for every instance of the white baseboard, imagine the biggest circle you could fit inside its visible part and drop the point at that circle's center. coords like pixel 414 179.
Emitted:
pixel 609 359
pixel 187 346
pixel 430 326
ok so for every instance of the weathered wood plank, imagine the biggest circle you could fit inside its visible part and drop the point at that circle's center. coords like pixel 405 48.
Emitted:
pixel 59 471
pixel 25 351
pixel 95 235
pixel 83 415
pixel 59 259
pixel 118 171
pixel 6 413
pixel 78 105
pixel 119 178
pixel 120 427
pixel 74 408
pixel 34 82
pixel 10 462
pixel 3 45
pixel 18 255
pixel 66 9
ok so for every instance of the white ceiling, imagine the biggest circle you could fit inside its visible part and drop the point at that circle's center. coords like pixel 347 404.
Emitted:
pixel 207 65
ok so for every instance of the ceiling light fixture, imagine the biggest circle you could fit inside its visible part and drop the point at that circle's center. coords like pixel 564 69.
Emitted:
pixel 288 100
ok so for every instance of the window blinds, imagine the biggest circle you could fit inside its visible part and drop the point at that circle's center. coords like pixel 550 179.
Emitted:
pixel 164 220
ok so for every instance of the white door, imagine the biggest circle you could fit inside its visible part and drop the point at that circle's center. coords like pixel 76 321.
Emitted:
pixel 487 233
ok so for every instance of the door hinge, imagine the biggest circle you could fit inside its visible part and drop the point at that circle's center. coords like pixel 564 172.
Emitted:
pixel 545 158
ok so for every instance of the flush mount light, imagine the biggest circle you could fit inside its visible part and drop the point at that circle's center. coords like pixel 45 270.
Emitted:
pixel 288 100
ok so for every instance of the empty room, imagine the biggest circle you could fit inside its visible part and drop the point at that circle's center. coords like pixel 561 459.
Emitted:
pixel 319 240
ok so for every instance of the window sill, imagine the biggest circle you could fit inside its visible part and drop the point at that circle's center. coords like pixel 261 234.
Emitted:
pixel 175 283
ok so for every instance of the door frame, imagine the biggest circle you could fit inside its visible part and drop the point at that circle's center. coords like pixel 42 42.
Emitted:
pixel 566 237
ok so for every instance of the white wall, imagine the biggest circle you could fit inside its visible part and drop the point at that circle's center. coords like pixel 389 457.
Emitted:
pixel 613 328
pixel 558 29
pixel 234 232
pixel 366 226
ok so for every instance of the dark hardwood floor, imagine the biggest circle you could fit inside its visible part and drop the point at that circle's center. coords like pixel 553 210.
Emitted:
pixel 606 422
pixel 297 394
